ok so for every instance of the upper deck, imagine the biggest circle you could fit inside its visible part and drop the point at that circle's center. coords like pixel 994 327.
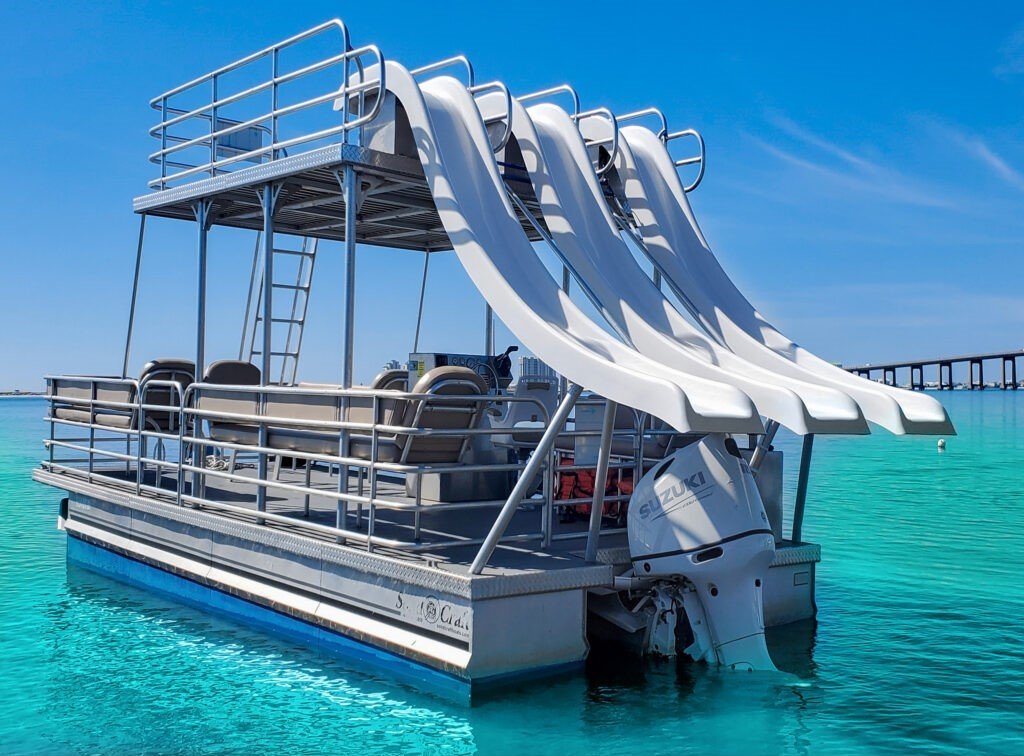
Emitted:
pixel 297 114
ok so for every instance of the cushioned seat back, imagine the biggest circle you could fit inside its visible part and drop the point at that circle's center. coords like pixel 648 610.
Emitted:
pixel 436 414
pixel 165 369
pixel 391 380
pixel 80 412
pixel 230 373
pixel 361 407
pixel 319 407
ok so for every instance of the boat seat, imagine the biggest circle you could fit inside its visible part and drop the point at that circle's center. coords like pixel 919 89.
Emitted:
pixel 299 407
pixel 426 414
pixel 231 373
pixel 438 415
pixel 326 408
pixel 117 391
pixel 165 369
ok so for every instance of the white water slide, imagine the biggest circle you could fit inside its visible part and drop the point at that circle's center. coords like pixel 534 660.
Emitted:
pixel 665 221
pixel 470 196
pixel 585 234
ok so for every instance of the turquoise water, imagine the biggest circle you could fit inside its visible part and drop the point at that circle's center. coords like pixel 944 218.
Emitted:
pixel 919 644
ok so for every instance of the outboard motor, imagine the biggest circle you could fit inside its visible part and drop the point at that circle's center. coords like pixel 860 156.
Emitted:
pixel 697 527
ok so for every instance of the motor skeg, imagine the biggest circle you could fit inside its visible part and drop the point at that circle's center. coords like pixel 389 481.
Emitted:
pixel 698 515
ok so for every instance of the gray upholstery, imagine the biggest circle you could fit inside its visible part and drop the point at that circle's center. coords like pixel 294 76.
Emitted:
pixel 165 369
pixel 231 373
pixel 441 381
pixel 288 436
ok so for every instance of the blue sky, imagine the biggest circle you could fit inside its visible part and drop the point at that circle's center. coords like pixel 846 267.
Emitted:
pixel 865 176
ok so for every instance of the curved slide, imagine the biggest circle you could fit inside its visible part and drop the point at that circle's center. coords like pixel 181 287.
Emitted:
pixel 463 178
pixel 582 227
pixel 672 237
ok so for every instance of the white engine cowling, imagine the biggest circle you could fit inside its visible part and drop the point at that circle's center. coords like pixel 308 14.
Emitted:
pixel 698 515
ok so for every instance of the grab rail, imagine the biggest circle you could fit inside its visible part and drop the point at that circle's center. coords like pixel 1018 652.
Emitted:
pixel 192 445
pixel 655 112
pixel 547 93
pixel 612 140
pixel 244 137
pixel 497 86
pixel 666 137
pixel 455 60
pixel 691 160
pixel 475 89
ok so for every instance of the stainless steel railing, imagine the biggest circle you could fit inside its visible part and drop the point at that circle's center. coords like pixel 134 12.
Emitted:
pixel 217 135
pixel 666 136
pixel 179 451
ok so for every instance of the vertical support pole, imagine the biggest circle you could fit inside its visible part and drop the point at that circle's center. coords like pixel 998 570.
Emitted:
pixel 601 479
pixel 135 297
pixel 801 488
pixel 764 445
pixel 488 330
pixel 269 200
pixel 563 385
pixel 348 340
pixel 1013 365
pixel 526 478
pixel 348 345
pixel 423 291
pixel 202 211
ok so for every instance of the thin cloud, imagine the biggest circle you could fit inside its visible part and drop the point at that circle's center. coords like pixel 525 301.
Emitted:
pixel 794 129
pixel 1012 63
pixel 978 148
pixel 858 174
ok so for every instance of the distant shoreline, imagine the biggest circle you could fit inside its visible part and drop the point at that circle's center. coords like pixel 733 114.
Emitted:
pixel 21 394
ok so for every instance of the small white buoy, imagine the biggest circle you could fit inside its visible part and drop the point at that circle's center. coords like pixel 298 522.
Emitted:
pixel 942 444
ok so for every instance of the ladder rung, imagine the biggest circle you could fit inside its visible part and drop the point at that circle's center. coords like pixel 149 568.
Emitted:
pixel 293 287
pixel 259 319
pixel 297 252
pixel 258 352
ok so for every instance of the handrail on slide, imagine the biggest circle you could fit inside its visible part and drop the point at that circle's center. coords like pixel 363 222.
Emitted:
pixel 666 137
pixel 545 94
pixel 497 86
pixel 577 116
pixel 475 89
pixel 613 140
pixel 455 60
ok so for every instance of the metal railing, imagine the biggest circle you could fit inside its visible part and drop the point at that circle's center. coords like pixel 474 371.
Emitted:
pixel 610 143
pixel 666 137
pixel 224 139
pixel 181 446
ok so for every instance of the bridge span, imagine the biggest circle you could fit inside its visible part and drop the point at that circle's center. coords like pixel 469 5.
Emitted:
pixel 975 363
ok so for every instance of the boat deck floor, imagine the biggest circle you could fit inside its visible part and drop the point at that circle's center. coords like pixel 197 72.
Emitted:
pixel 436 525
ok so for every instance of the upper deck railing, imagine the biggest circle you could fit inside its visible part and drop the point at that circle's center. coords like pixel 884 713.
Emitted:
pixel 252 110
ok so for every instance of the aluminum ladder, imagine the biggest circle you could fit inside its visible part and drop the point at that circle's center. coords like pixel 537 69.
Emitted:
pixel 297 267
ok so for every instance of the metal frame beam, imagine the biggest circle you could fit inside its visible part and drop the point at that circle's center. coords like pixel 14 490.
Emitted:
pixel 135 297
pixel 601 478
pixel 801 488
pixel 526 479
pixel 348 181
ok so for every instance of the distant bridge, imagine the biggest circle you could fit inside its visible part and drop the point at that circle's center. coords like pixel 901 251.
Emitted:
pixel 975 370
